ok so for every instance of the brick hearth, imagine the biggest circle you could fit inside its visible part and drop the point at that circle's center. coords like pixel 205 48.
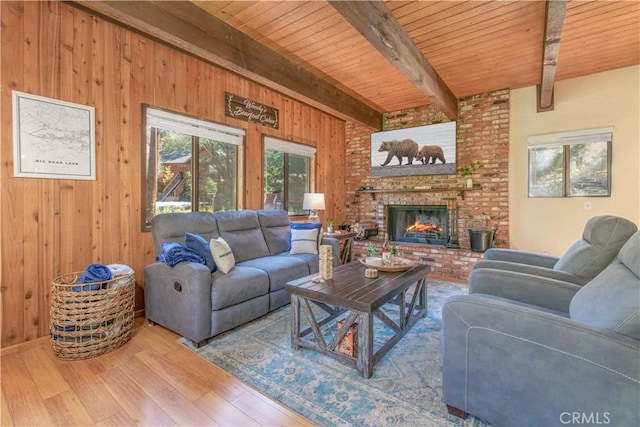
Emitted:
pixel 455 264
pixel 482 135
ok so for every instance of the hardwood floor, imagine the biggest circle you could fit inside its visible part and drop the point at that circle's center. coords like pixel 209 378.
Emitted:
pixel 151 380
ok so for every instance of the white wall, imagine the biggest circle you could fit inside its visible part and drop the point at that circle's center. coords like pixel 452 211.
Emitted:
pixel 610 98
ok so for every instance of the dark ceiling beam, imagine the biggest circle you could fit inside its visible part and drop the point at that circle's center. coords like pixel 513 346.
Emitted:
pixel 378 25
pixel 554 21
pixel 183 25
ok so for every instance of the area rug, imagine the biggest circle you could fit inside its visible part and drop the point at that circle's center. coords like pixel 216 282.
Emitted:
pixel 404 390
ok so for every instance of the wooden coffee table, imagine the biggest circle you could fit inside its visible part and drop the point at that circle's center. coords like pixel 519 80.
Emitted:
pixel 349 292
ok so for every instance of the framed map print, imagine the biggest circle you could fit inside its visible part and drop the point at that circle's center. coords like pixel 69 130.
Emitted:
pixel 52 138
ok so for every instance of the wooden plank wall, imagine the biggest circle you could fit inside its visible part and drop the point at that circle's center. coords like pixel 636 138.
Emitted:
pixel 52 227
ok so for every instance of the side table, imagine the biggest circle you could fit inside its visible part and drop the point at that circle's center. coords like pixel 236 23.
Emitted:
pixel 346 240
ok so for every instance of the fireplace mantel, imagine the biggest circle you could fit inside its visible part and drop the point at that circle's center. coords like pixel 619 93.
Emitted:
pixel 458 190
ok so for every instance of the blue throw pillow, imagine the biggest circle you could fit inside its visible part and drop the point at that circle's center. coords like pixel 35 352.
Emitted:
pixel 201 246
pixel 307 226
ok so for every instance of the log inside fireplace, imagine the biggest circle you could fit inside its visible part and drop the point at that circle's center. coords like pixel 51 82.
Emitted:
pixel 419 224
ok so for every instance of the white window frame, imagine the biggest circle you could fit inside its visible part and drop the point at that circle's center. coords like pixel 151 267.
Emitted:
pixel 180 123
pixel 295 148
pixel 565 140
pixel 191 126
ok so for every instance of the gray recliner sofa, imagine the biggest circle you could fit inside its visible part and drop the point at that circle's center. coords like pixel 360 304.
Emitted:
pixel 601 240
pixel 193 301
pixel 526 360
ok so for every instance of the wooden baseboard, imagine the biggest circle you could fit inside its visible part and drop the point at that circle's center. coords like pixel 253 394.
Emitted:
pixel 5 351
pixel 23 346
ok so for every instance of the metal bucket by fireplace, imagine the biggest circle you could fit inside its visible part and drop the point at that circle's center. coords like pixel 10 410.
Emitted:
pixel 481 240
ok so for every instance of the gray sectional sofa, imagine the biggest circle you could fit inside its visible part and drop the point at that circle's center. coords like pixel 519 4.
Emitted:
pixel 199 304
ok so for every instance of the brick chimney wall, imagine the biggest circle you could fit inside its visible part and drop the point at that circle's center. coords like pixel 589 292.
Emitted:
pixel 482 135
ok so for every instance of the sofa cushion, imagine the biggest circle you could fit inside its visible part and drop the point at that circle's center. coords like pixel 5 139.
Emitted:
pixel 304 241
pixel 602 238
pixel 630 254
pixel 241 284
pixel 241 230
pixel 312 261
pixel 222 255
pixel 275 224
pixel 280 270
pixel 612 299
pixel 202 246
pixel 172 227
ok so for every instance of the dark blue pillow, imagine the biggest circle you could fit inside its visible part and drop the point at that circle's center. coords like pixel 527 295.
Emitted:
pixel 306 226
pixel 200 245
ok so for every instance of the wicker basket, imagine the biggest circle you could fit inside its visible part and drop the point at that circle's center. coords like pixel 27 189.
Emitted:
pixel 91 319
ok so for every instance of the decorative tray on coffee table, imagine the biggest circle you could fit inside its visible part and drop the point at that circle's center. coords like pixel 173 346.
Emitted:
pixel 398 264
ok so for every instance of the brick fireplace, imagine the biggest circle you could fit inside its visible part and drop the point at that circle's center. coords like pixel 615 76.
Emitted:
pixel 482 135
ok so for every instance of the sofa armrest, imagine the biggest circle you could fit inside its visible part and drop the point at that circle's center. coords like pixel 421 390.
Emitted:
pixel 521 257
pixel 533 270
pixel 528 288
pixel 506 363
pixel 179 298
pixel 335 248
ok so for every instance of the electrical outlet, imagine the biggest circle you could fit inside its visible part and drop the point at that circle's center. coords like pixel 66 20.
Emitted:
pixel 587 206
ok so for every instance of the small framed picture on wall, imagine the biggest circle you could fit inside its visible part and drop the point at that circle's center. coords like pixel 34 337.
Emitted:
pixel 53 138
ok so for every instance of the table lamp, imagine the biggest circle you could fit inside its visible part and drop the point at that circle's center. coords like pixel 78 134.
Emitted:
pixel 313 202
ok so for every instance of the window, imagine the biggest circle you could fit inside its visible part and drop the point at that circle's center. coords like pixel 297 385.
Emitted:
pixel 288 174
pixel 570 164
pixel 175 179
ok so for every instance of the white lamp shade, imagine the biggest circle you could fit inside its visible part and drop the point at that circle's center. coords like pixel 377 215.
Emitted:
pixel 313 201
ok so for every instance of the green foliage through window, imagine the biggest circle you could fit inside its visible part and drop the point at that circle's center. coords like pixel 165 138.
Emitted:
pixel 287 176
pixel 571 170
pixel 176 180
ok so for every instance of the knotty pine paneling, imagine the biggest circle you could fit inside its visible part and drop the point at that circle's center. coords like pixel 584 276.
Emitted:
pixel 52 227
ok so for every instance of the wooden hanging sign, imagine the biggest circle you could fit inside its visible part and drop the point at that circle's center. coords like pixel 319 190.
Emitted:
pixel 250 111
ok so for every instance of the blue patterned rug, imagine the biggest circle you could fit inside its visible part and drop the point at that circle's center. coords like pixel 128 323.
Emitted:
pixel 404 390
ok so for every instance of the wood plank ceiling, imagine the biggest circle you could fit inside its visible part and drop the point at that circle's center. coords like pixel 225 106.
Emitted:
pixel 358 60
pixel 474 46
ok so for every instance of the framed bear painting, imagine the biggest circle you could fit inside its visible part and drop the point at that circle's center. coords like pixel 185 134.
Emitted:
pixel 422 150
